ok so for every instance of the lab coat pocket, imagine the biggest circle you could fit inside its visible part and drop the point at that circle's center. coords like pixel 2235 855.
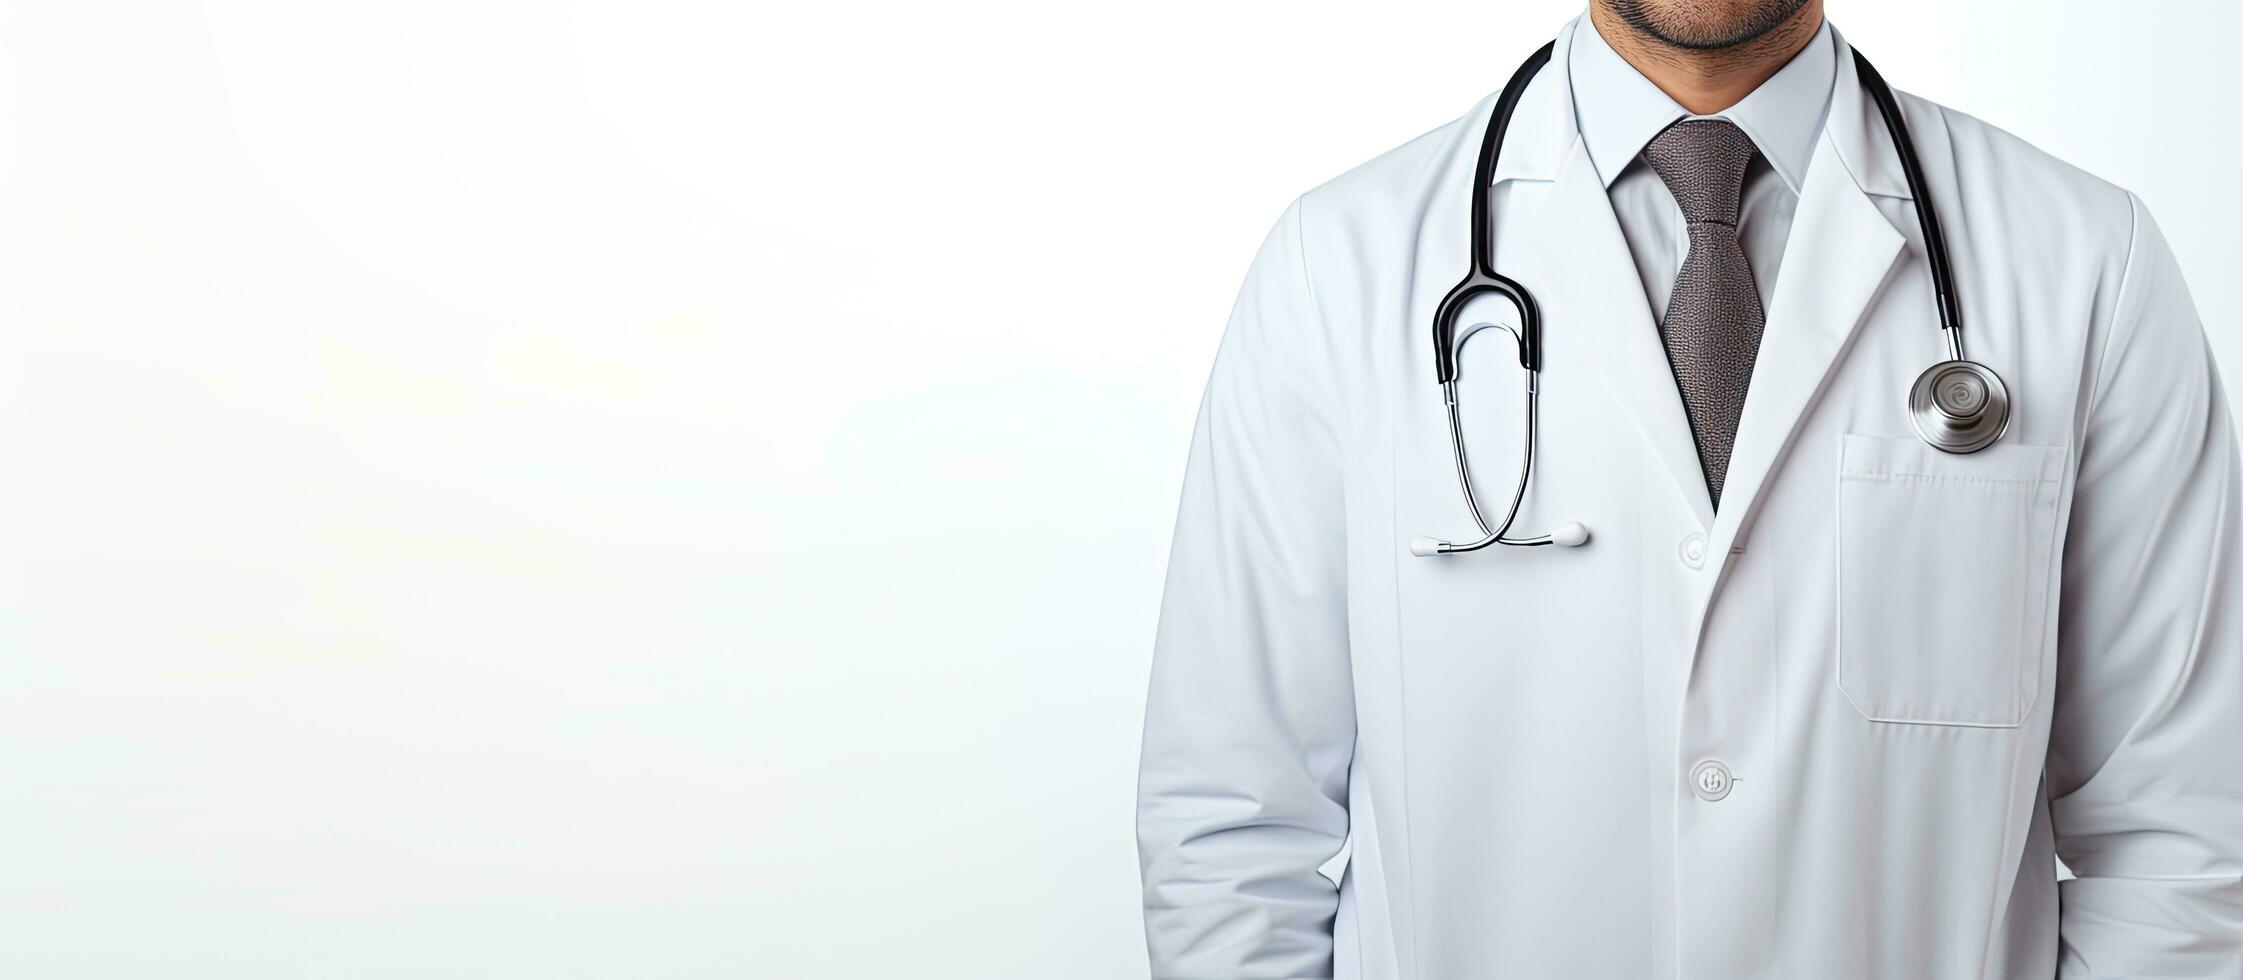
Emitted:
pixel 1943 579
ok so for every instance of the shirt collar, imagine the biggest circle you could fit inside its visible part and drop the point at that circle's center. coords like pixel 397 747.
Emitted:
pixel 1619 110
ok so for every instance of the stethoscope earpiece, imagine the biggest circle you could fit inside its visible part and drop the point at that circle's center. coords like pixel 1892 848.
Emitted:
pixel 1959 406
pixel 1571 534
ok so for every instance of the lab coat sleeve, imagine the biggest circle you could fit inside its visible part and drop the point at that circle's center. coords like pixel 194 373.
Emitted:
pixel 1249 725
pixel 2145 763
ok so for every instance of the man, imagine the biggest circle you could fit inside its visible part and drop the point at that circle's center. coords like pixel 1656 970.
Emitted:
pixel 1816 699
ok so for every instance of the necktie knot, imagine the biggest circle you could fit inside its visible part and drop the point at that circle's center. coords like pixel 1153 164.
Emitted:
pixel 1703 163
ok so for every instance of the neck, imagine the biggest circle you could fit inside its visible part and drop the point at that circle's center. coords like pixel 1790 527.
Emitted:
pixel 1707 80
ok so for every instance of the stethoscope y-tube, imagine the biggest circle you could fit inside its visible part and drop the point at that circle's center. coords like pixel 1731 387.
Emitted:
pixel 1956 405
pixel 1482 279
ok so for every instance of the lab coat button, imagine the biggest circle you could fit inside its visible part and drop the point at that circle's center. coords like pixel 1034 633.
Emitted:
pixel 1693 550
pixel 1710 780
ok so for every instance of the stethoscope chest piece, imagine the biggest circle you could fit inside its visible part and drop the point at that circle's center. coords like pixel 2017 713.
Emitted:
pixel 1959 406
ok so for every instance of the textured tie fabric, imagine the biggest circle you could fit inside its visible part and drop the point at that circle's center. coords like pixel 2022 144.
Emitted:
pixel 1713 324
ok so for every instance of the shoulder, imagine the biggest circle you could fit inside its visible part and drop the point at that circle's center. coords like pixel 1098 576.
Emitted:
pixel 2040 219
pixel 2026 190
pixel 1405 166
pixel 1391 190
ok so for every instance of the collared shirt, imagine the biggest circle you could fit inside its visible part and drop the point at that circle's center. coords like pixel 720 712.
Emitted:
pixel 1619 111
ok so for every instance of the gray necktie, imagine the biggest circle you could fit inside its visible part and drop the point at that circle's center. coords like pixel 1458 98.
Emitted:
pixel 1712 329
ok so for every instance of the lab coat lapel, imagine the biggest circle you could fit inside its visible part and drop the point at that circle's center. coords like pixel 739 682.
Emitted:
pixel 1581 272
pixel 1840 250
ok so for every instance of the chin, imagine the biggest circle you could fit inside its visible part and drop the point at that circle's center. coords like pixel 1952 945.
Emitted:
pixel 1706 23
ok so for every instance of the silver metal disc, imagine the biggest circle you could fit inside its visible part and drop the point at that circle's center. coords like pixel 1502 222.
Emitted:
pixel 1959 406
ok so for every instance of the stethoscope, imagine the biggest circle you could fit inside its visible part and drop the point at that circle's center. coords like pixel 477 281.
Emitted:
pixel 1957 405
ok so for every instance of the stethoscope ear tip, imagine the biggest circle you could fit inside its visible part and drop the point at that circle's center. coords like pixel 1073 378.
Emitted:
pixel 1425 547
pixel 1571 534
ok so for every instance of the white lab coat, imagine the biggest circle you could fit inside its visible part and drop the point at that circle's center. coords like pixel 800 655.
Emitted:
pixel 1930 675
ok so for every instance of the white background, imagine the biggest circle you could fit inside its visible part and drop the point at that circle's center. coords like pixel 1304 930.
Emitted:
pixel 654 490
